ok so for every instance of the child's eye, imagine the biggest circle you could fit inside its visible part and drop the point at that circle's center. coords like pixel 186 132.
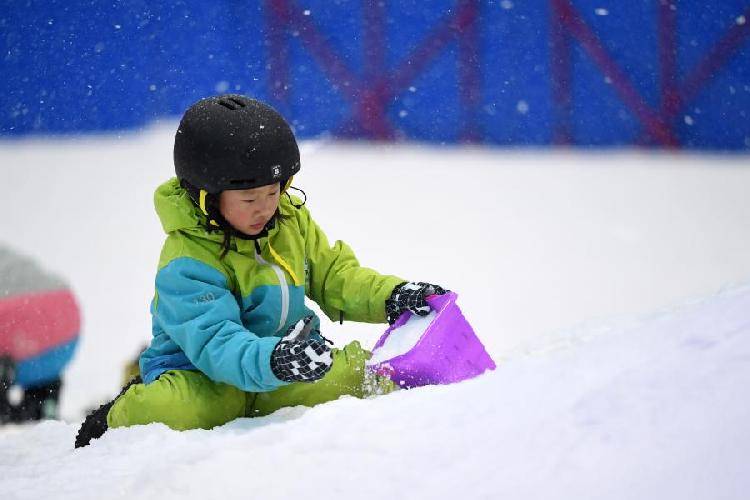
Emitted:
pixel 249 201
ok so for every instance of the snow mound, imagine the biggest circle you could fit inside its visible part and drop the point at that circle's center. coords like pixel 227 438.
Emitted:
pixel 653 410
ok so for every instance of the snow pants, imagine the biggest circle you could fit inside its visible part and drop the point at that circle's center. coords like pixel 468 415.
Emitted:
pixel 185 399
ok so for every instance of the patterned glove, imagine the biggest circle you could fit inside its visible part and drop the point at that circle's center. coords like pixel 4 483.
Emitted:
pixel 410 296
pixel 298 357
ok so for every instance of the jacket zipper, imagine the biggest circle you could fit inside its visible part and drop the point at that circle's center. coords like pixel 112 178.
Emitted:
pixel 282 283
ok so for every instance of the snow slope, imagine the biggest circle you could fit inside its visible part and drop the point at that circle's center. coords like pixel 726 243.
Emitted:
pixel 655 410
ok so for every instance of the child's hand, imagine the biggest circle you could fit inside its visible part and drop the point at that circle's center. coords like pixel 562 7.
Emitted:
pixel 298 357
pixel 410 296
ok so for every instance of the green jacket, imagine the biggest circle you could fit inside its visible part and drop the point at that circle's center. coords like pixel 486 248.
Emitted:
pixel 225 316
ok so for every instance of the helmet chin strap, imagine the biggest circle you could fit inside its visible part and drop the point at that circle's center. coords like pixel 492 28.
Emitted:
pixel 217 220
pixel 287 184
pixel 202 205
pixel 209 205
pixel 263 233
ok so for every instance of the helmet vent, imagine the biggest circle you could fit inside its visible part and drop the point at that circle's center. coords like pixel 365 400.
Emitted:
pixel 232 104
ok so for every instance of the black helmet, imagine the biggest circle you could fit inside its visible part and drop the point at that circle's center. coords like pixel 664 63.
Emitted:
pixel 233 142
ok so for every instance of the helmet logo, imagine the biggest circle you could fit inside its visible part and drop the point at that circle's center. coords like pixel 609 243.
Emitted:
pixel 276 171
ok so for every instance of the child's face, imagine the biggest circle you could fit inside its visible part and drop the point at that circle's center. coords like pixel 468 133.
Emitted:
pixel 249 210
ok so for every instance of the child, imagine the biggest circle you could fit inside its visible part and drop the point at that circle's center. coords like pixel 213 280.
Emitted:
pixel 232 336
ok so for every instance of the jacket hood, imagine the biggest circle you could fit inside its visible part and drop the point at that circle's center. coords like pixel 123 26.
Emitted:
pixel 175 209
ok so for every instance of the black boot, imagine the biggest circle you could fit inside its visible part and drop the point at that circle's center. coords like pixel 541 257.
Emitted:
pixel 39 402
pixel 95 424
pixel 7 376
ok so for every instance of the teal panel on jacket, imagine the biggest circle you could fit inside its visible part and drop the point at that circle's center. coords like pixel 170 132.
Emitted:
pixel 198 323
pixel 263 307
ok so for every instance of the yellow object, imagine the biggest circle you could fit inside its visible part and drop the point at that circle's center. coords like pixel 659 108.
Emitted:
pixel 202 201
pixel 202 204
pixel 284 264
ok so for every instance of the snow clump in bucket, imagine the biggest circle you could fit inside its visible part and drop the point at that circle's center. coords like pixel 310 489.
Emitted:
pixel 402 339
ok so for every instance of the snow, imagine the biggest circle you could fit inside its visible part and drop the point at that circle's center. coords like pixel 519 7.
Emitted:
pixel 655 410
pixel 522 107
pixel 560 259
pixel 402 339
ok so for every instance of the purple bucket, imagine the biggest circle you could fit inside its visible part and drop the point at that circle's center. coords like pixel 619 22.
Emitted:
pixel 448 351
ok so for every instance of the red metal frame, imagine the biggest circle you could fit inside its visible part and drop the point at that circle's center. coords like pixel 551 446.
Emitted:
pixel 712 62
pixel 370 95
pixel 568 25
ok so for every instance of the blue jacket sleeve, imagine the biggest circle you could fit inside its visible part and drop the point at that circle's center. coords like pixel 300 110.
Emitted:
pixel 198 311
